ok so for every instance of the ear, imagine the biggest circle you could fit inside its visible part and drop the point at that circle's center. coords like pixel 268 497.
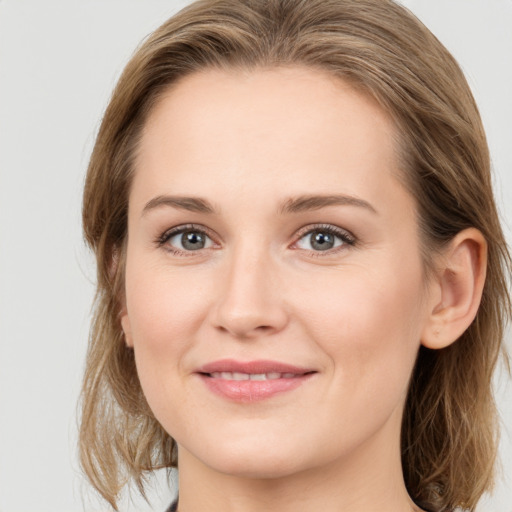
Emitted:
pixel 117 264
pixel 456 289
pixel 126 326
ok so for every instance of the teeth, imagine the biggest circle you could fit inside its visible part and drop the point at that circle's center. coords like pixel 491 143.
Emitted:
pixel 251 376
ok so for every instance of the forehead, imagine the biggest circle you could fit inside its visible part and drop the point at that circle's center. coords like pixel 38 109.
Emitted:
pixel 268 130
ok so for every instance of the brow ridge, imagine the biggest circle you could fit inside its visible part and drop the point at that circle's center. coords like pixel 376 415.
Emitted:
pixel 191 204
pixel 293 205
pixel 315 202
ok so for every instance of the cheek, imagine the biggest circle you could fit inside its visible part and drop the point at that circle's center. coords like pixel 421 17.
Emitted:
pixel 163 303
pixel 165 309
pixel 369 324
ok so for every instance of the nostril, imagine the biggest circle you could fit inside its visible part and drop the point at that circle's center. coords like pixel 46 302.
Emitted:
pixel 245 331
pixel 264 328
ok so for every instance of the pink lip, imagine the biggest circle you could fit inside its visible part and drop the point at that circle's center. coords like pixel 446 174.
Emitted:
pixel 252 390
pixel 260 366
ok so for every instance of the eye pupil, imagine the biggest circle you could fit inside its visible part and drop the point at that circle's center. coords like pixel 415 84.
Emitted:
pixel 193 240
pixel 322 241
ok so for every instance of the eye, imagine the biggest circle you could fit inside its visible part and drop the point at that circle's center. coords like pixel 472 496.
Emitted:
pixel 185 239
pixel 324 238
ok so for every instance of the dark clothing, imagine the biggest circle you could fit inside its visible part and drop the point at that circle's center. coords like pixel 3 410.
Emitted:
pixel 173 507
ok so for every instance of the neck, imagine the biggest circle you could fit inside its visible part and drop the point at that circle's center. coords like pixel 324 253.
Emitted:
pixel 369 478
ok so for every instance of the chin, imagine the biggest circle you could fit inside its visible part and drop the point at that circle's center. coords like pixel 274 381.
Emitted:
pixel 254 460
pixel 257 466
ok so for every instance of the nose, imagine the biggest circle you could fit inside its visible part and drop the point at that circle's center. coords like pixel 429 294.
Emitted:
pixel 250 301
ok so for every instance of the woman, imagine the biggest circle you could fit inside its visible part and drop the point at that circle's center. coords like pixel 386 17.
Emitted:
pixel 301 272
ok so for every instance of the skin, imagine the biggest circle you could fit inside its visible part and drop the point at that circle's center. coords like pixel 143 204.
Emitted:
pixel 248 143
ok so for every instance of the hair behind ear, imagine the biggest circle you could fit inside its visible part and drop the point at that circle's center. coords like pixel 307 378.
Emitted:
pixel 450 419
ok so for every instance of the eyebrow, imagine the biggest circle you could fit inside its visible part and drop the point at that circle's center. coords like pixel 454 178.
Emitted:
pixel 293 205
pixel 190 204
pixel 315 202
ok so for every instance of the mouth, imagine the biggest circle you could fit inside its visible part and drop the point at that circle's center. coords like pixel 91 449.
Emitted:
pixel 252 376
pixel 252 381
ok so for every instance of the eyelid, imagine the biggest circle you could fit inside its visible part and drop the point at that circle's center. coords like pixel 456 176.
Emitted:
pixel 346 236
pixel 161 240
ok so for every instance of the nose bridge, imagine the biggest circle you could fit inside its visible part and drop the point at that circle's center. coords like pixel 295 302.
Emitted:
pixel 249 302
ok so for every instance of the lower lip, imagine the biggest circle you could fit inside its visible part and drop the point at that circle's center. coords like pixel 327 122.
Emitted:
pixel 252 390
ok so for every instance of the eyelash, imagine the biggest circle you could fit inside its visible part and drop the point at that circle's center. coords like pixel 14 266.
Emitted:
pixel 162 240
pixel 346 238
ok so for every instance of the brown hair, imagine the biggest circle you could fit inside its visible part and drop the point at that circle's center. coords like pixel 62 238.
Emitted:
pixel 449 431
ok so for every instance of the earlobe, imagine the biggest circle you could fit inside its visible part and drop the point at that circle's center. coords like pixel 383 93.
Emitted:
pixel 459 283
pixel 126 326
pixel 116 275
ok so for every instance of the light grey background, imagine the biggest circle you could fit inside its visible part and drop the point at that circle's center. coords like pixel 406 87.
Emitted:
pixel 59 61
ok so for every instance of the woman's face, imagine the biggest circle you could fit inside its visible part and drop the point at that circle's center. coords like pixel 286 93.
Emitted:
pixel 275 294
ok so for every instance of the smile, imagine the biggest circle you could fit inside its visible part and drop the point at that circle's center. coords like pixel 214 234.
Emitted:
pixel 252 381
pixel 252 376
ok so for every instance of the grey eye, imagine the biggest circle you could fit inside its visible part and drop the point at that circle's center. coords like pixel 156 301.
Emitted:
pixel 320 240
pixel 190 241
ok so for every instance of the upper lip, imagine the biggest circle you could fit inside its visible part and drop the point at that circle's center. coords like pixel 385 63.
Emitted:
pixel 252 367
